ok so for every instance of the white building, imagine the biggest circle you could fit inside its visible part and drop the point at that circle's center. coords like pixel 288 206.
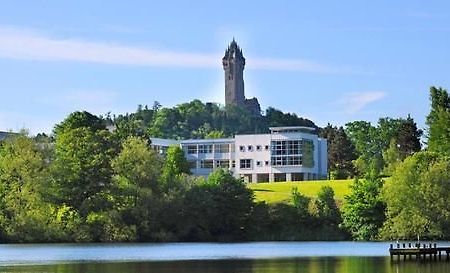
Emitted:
pixel 285 154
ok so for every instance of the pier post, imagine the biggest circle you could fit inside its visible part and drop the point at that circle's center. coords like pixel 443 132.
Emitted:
pixel 435 253
pixel 391 246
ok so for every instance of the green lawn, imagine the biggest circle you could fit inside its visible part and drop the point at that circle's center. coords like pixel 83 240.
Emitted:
pixel 281 191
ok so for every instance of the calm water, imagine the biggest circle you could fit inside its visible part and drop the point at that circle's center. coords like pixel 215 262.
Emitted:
pixel 270 257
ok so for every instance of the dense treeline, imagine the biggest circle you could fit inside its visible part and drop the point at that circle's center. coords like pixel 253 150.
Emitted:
pixel 199 120
pixel 413 202
pixel 87 183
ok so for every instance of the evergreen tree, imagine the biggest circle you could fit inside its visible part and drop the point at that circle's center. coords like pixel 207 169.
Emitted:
pixel 341 154
pixel 408 138
pixel 438 121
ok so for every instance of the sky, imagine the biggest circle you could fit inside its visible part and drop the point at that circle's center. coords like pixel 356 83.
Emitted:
pixel 329 61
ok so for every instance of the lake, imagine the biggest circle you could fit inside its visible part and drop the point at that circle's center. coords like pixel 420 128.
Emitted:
pixel 260 257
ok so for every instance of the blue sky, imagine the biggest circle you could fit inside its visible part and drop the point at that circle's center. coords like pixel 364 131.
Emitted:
pixel 330 61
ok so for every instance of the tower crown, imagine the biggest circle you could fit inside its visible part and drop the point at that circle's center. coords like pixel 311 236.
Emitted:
pixel 234 52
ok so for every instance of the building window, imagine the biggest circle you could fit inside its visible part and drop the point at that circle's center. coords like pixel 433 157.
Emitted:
pixel 221 148
pixel 250 148
pixel 242 148
pixel 258 147
pixel 205 149
pixel 258 163
pixel 245 164
pixel 233 164
pixel 192 149
pixel 224 164
pixel 266 147
pixel 292 153
pixel 266 162
pixel 206 164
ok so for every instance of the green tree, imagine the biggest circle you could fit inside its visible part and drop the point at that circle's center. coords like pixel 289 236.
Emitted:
pixel 363 212
pixel 368 145
pixel 341 154
pixel 24 215
pixel 301 203
pixel 408 138
pixel 276 117
pixel 215 134
pixel 82 167
pixel 416 198
pixel 438 120
pixel 138 164
pixel 218 209
pixel 175 164
pixel 137 171
pixel 327 210
pixel 392 157
pixel 80 120
pixel 388 129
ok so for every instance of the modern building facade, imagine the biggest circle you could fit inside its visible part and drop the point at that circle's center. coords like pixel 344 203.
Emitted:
pixel 285 154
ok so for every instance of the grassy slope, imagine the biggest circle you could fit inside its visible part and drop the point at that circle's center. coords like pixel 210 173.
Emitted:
pixel 281 191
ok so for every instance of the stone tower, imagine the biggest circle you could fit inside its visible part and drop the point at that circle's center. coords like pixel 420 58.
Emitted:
pixel 233 64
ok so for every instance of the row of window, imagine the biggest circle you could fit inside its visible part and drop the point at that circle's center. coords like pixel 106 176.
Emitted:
pixel 287 160
pixel 210 164
pixel 278 147
pixel 209 148
pixel 247 163
pixel 250 148
pixel 287 147
pixel 292 153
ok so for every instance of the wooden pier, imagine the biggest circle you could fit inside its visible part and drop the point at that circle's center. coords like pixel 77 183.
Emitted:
pixel 419 252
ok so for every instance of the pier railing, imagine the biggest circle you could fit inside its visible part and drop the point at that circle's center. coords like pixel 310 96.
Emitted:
pixel 422 252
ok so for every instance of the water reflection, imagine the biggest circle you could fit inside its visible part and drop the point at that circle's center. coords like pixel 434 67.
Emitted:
pixel 310 265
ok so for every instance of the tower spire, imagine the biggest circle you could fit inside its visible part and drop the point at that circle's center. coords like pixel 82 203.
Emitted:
pixel 233 64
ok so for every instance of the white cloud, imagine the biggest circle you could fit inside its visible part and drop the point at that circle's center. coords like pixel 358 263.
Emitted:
pixel 29 45
pixel 17 44
pixel 355 102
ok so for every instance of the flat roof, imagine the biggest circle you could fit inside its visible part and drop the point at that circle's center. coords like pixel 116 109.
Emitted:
pixel 209 140
pixel 292 128
pixel 163 141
